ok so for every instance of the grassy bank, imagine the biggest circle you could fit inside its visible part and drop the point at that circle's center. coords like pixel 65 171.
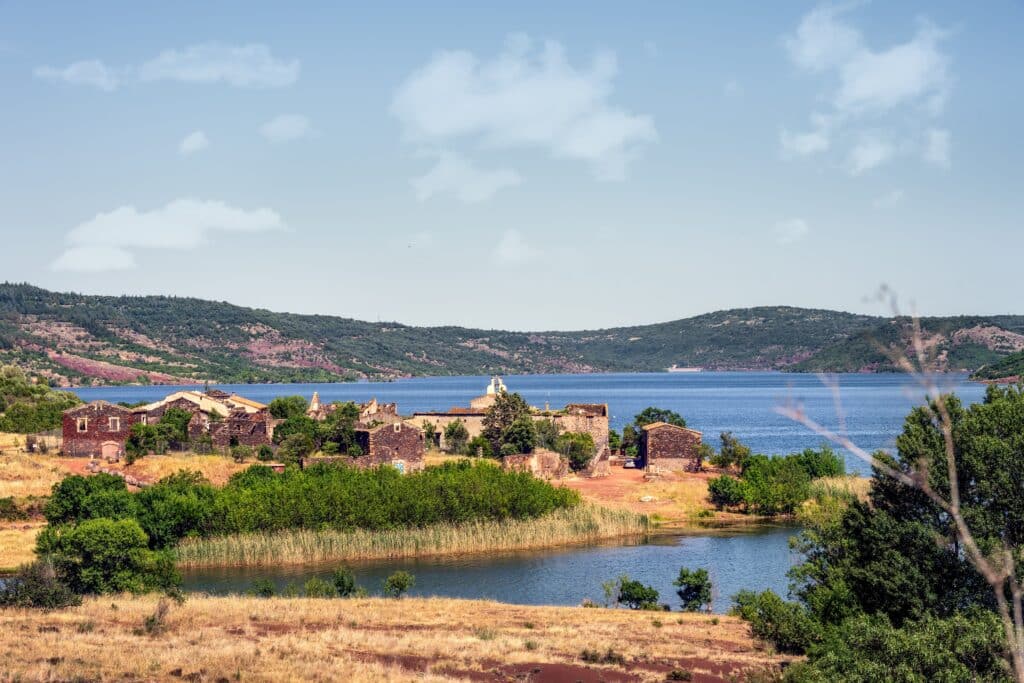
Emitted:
pixel 581 524
pixel 374 639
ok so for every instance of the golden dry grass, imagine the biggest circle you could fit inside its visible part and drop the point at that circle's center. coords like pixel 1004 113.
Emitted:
pixel 582 524
pixel 24 475
pixel 17 542
pixel 374 639
pixel 849 484
pixel 217 468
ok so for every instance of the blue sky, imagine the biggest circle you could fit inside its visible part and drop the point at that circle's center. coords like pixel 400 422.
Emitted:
pixel 528 166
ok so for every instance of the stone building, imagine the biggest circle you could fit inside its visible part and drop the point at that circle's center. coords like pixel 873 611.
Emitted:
pixel 370 413
pixel 397 444
pixel 228 419
pixel 669 447
pixel 95 430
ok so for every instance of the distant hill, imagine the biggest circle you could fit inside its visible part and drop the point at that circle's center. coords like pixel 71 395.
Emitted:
pixel 1008 368
pixel 80 339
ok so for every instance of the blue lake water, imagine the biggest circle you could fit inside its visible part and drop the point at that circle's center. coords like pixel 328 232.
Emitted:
pixel 742 402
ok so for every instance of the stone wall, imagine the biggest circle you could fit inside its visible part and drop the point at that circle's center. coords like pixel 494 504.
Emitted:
pixel 398 444
pixel 542 463
pixel 670 447
pixel 106 429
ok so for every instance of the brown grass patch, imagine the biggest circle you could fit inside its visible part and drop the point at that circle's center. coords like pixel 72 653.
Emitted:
pixel 152 468
pixel 24 475
pixel 375 639
pixel 17 542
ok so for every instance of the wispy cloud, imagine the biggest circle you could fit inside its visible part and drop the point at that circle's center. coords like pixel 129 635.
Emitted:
pixel 193 142
pixel 513 249
pixel 791 230
pixel 108 241
pixel 894 89
pixel 286 127
pixel 526 97
pixel 468 182
pixel 868 153
pixel 244 66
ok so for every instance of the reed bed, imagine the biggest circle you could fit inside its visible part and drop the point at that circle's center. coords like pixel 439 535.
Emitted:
pixel 580 524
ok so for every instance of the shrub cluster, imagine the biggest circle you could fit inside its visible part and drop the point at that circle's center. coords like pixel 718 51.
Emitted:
pixel 323 496
pixel 774 485
pixel 28 406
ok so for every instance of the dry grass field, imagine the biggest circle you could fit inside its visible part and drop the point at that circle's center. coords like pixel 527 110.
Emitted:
pixel 374 639
pixel 152 468
pixel 17 542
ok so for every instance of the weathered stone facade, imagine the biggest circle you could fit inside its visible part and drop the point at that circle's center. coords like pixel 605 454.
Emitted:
pixel 542 463
pixel 397 444
pixel 97 429
pixel 669 447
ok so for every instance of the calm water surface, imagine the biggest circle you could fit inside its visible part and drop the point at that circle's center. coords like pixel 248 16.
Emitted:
pixel 756 560
pixel 742 402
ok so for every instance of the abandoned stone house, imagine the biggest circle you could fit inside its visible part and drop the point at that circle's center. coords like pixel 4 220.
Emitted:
pixel 371 412
pixel 97 429
pixel 669 447
pixel 590 418
pixel 396 444
pixel 228 419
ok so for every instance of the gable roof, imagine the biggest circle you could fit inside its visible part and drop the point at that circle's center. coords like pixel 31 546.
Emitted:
pixel 96 405
pixel 660 425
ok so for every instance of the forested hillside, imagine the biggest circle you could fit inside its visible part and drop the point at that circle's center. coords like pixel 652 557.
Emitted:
pixel 79 339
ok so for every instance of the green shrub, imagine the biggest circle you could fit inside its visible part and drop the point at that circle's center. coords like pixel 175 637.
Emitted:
pixel 265 453
pixel 786 625
pixel 694 589
pixel 344 582
pixel 726 492
pixel 37 585
pixel 823 462
pixel 318 588
pixel 478 446
pixel 578 447
pixel 636 595
pixel 263 588
pixel 398 584
pixel 455 436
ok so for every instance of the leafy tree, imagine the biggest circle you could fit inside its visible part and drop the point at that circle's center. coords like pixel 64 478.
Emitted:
pixel 300 424
pixel 785 625
pixel 630 438
pixel 694 589
pixel 429 433
pixel 456 436
pixel 106 556
pixel 547 431
pixel 507 407
pixel 398 584
pixel 636 595
pixel 284 407
pixel 318 588
pixel 344 582
pixel 295 446
pixel 28 404
pixel 650 415
pixel 520 435
pixel 263 588
pixel 78 498
pixel 265 453
pixel 732 452
pixel 37 585
pixel 339 427
pixel 614 440
pixel 479 446
pixel 775 485
pixel 578 447
pixel 823 462
pixel 726 492
pixel 705 453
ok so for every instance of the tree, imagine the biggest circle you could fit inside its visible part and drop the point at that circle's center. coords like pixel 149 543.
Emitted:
pixel 37 585
pixel 694 589
pixel 284 407
pixel 651 415
pixel 429 433
pixel 614 440
pixel 344 582
pixel 500 416
pixel 479 446
pixel 732 452
pixel 636 595
pixel 106 556
pixel 547 431
pixel 726 492
pixel 398 584
pixel 77 498
pixel 520 435
pixel 295 447
pixel 630 438
pixel 578 447
pixel 456 436
pixel 300 424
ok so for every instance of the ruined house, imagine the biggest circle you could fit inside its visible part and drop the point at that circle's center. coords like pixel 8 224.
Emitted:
pixel 669 447
pixel 370 413
pixel 97 429
pixel 396 444
pixel 228 419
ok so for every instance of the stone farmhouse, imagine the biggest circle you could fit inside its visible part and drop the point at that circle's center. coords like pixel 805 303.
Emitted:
pixel 667 446
pixel 381 433
pixel 95 430
pixel 590 418
pixel 100 429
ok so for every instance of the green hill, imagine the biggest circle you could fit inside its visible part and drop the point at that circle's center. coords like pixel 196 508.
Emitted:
pixel 1008 367
pixel 74 339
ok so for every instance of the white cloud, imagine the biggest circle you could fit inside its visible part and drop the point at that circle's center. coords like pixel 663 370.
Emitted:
pixel 90 72
pixel 895 88
pixel 461 177
pixel 103 242
pixel 243 66
pixel 818 139
pixel 94 259
pixel 286 127
pixel 512 249
pixel 889 199
pixel 193 142
pixel 791 230
pixel 936 148
pixel 524 98
pixel 869 153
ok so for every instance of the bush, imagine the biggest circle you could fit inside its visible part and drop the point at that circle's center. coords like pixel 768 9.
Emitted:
pixel 107 556
pixel 263 588
pixel 455 437
pixel 520 435
pixel 694 589
pixel 37 585
pixel 636 595
pixel 318 588
pixel 786 625
pixel 241 453
pixel 344 582
pixel 824 462
pixel 578 447
pixel 509 449
pixel 265 453
pixel 398 584
pixel 480 447
pixel 731 452
pixel 295 447
pixel 78 498
pixel 726 492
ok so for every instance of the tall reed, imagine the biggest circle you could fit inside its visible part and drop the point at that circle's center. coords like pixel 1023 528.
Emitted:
pixel 580 524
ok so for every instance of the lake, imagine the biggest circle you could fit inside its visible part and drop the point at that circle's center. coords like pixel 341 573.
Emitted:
pixel 742 402
pixel 713 402
pixel 756 559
